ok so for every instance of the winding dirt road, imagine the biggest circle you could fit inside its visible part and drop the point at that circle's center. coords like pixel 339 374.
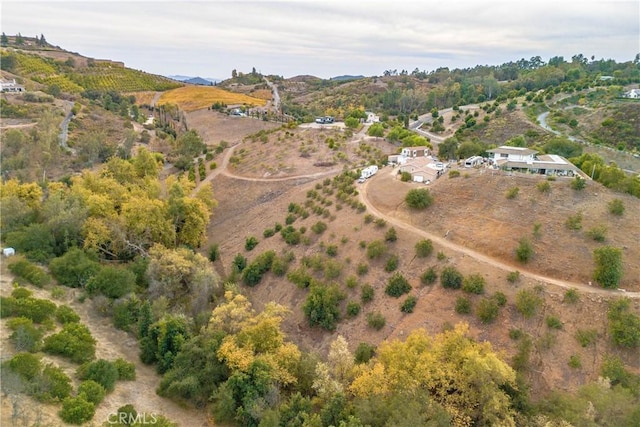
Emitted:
pixel 477 255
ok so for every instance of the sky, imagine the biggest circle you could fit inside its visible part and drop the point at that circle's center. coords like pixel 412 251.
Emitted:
pixel 327 38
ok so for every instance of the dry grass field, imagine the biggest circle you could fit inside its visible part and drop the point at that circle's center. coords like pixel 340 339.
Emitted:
pixel 191 98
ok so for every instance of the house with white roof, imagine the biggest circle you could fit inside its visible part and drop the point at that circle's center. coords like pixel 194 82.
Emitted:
pixel 522 159
pixel 10 86
pixel 632 94
pixel 409 153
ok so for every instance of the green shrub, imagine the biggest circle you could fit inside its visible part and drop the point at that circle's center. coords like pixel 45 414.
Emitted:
pixel 252 274
pixel 101 371
pixel 515 334
pixel 376 249
pixel 553 322
pixel 391 235
pixel 463 305
pixel 419 198
pixel 598 233
pixel 74 268
pixel 500 298
pixel 574 222
pixel 616 207
pixel 321 306
pixel 25 336
pixel 126 370
pixel 65 314
pixel 409 304
pixel 26 365
pixel 544 187
pixel 392 263
pixel 332 250
pixel 51 385
pixel 473 284
pixel 364 352
pixel 367 293
pixel 239 263
pixel 38 310
pixel 29 271
pixel 613 368
pixel 424 248
pixel 92 392
pixel 575 362
pixel 571 296
pixel 353 309
pixel 21 292
pixel 112 282
pixel 512 193
pixel 290 235
pixel 527 303
pixel 609 269
pixel 250 243
pixel 73 341
pixel 586 336
pixel 454 174
pixel 441 256
pixel 524 251
pixel 214 252
pixel 451 278
pixel 376 320
pixel 397 286
pixel 362 269
pixel 429 277
pixel 578 183
pixel 487 310
pixel 624 325
pixel 319 227
pixel 300 277
pixel 268 232
pixel 76 410
pixel 513 277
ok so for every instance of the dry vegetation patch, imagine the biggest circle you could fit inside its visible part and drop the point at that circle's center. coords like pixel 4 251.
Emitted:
pixel 190 98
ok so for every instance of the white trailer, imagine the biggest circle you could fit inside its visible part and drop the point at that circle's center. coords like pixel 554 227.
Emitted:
pixel 472 162
pixel 368 172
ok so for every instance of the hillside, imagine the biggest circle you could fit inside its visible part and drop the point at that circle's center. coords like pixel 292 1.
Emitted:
pixel 237 264
pixel 72 73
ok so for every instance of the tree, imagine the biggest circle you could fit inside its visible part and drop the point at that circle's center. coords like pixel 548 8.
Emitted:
pixel 321 306
pixel 419 198
pixel 524 251
pixel 609 269
pixel 424 248
pixel 528 302
pixel 451 278
pixel 74 268
pixel 624 325
pixel 397 285
pixel 440 364
pixel 76 410
pixel 73 341
pixel 112 282
pixel 101 371
pixel 4 41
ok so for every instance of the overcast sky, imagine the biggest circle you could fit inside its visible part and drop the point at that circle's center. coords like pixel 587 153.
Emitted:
pixel 329 37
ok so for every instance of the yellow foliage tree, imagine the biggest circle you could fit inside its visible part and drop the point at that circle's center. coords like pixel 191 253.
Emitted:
pixel 255 337
pixel 465 377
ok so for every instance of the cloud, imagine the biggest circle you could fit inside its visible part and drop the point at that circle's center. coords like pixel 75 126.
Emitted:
pixel 327 37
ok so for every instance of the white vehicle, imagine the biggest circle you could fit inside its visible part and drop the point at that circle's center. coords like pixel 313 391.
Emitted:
pixel 472 162
pixel 368 172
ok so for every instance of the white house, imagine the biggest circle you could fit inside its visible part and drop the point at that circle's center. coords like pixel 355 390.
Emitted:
pixel 512 154
pixel 372 117
pixel 632 94
pixel 525 160
pixel 11 86
pixel 423 169
pixel 409 153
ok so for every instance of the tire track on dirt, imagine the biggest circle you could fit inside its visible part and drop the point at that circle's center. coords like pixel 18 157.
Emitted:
pixel 479 256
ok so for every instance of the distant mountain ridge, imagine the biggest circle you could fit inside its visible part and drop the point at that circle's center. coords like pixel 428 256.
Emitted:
pixel 206 81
